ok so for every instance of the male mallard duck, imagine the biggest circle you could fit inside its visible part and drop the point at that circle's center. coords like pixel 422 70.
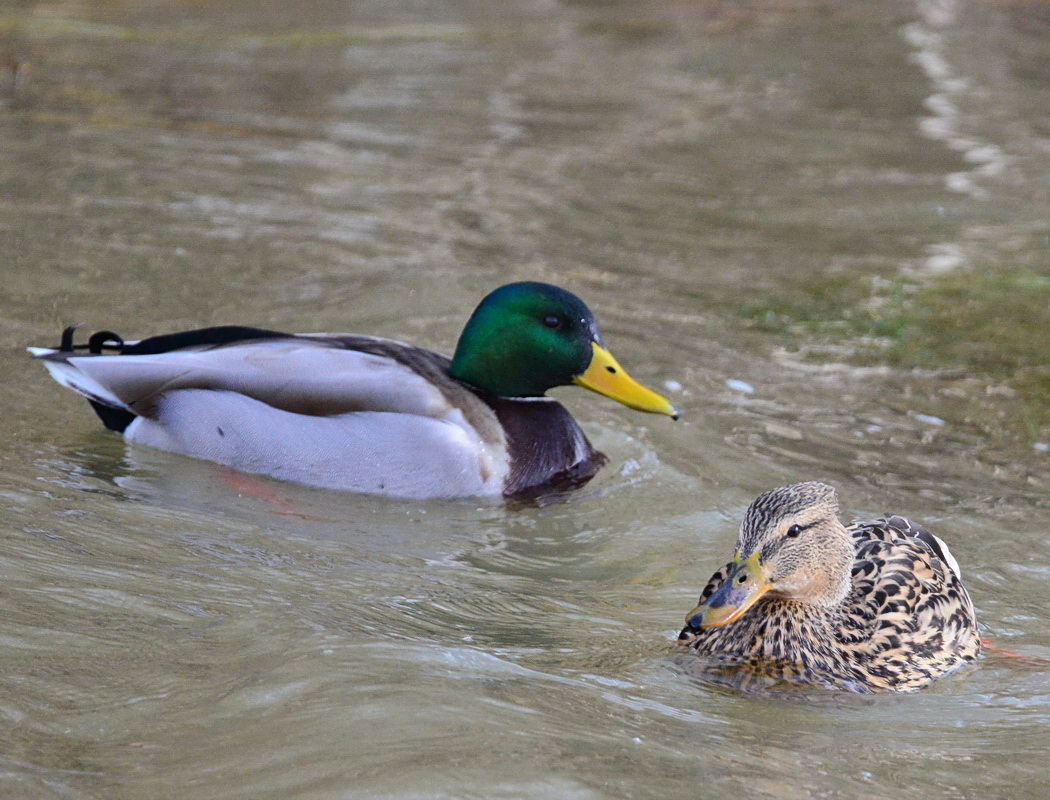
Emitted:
pixel 876 606
pixel 366 414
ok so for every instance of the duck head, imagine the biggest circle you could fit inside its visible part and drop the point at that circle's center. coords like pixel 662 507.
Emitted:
pixel 791 546
pixel 526 338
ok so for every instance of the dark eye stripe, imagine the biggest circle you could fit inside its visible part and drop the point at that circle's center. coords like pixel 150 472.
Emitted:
pixel 796 529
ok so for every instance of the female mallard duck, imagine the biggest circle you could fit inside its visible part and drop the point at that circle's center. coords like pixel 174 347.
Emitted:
pixel 365 414
pixel 877 606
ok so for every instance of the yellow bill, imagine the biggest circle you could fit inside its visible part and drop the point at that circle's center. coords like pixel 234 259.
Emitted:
pixel 605 376
pixel 743 587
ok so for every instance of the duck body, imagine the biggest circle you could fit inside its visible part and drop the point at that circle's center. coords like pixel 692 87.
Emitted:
pixel 899 618
pixel 338 411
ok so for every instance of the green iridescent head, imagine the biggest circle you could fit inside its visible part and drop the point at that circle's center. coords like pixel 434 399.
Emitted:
pixel 526 338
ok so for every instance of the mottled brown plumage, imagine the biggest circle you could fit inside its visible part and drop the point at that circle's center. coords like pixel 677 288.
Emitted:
pixel 876 606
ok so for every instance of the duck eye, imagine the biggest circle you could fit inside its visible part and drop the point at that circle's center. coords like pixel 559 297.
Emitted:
pixel 794 531
pixel 552 321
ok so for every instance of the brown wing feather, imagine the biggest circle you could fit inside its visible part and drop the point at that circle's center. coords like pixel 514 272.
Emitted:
pixel 918 616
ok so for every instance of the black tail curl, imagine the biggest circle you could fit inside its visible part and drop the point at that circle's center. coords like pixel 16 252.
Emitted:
pixel 216 336
pixel 96 343
pixel 107 342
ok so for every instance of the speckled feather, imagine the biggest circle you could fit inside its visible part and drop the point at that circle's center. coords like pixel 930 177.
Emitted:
pixel 906 620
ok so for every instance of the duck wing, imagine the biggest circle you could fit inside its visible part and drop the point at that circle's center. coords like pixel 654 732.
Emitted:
pixel 908 609
pixel 312 374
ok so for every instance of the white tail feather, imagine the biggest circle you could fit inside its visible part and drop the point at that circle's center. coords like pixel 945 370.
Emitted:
pixel 72 378
pixel 952 563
